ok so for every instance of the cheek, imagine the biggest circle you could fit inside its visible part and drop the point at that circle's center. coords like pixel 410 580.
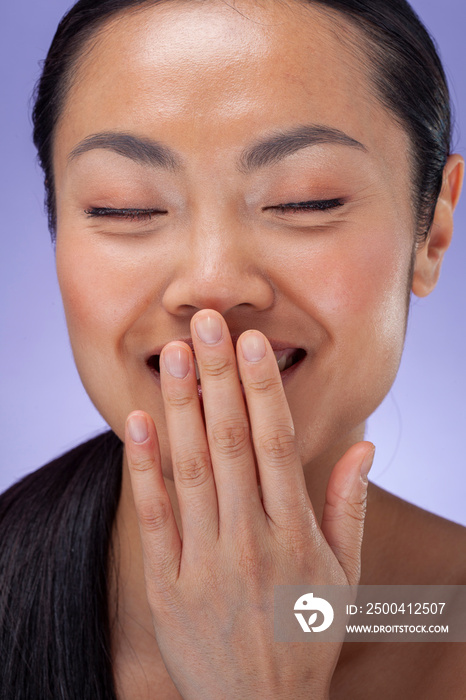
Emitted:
pixel 367 310
pixel 357 294
pixel 379 289
pixel 354 290
pixel 104 293
pixel 360 287
pixel 103 290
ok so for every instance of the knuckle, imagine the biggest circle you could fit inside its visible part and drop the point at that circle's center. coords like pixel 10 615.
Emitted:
pixel 142 464
pixel 154 515
pixel 356 510
pixel 333 514
pixel 298 538
pixel 231 436
pixel 269 385
pixel 217 366
pixel 180 401
pixel 293 546
pixel 341 509
pixel 193 469
pixel 279 446
pixel 296 522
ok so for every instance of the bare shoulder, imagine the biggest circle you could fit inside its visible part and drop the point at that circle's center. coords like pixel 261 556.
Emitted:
pixel 391 671
pixel 404 544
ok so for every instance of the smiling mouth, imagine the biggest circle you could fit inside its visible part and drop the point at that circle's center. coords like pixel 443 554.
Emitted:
pixel 285 360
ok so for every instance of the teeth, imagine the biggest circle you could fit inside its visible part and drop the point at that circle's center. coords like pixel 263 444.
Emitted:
pixel 282 359
pixel 282 363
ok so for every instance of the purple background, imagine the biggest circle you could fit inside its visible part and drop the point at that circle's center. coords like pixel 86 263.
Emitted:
pixel 419 429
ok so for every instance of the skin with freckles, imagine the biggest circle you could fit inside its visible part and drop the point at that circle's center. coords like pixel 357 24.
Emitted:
pixel 133 286
pixel 146 242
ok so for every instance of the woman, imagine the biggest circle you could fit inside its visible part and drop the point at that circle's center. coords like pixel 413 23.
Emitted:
pixel 264 185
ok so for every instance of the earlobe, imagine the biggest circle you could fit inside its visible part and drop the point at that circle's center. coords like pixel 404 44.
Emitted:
pixel 429 257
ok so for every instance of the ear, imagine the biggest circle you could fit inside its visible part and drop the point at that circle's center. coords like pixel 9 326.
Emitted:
pixel 429 256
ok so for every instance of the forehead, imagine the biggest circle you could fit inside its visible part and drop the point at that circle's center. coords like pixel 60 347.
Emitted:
pixel 203 71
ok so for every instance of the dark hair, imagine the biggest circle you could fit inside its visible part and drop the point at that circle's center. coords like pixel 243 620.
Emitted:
pixel 56 529
pixel 56 523
pixel 404 65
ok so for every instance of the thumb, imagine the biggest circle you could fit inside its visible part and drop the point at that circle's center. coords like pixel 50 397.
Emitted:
pixel 345 508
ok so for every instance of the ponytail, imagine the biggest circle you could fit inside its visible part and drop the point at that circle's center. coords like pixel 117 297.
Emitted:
pixel 56 527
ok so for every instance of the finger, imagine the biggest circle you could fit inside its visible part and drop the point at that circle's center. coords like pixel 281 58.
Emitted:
pixel 285 497
pixel 192 470
pixel 345 508
pixel 227 424
pixel 160 538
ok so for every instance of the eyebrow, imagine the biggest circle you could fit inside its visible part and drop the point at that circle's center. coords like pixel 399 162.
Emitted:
pixel 142 150
pixel 266 151
pixel 276 147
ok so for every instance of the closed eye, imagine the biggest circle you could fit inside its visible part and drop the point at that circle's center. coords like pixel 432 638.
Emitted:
pixel 143 214
pixel 132 214
pixel 313 205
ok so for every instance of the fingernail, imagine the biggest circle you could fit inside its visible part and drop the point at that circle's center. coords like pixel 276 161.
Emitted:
pixel 367 464
pixel 253 347
pixel 137 428
pixel 176 361
pixel 209 329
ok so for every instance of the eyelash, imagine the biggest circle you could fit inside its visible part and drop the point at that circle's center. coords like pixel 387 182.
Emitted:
pixel 132 214
pixel 313 205
pixel 142 214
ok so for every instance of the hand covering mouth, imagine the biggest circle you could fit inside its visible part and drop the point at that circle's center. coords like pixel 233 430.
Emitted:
pixel 285 359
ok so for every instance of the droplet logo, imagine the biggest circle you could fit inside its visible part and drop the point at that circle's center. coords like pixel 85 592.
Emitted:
pixel 313 605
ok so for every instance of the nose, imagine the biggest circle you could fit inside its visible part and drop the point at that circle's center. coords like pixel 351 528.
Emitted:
pixel 218 267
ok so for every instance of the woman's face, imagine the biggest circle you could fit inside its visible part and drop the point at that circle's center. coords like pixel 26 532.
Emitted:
pixel 229 114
